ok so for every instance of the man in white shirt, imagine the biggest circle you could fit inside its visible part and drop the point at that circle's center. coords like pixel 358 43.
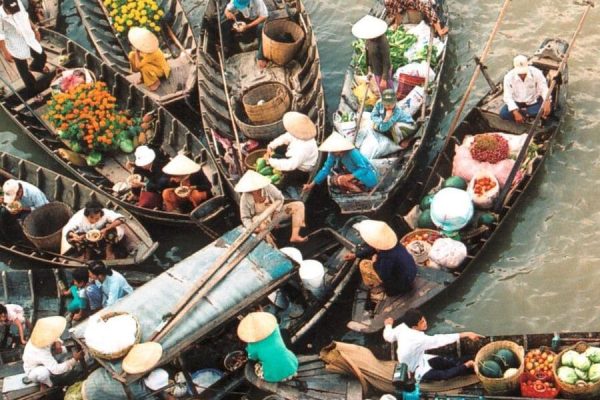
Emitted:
pixel 413 343
pixel 18 37
pixel 28 197
pixel 525 89
pixel 245 16
pixel 296 151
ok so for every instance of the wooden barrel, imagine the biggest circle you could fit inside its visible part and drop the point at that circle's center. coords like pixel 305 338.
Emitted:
pixel 43 226
pixel 273 45
pixel 266 102
pixel 500 386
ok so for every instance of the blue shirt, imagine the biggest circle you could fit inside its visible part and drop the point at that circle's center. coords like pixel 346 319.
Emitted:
pixel 114 287
pixel 355 163
pixel 93 295
pixel 378 114
pixel 32 196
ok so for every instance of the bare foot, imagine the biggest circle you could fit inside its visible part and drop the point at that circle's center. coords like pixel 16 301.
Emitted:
pixel 470 364
pixel 298 239
pixel 152 88
pixel 262 64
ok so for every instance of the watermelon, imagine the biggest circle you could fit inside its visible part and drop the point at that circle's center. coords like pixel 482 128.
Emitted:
pixel 490 369
pixel 487 218
pixel 426 202
pixel 506 359
pixel 455 182
pixel 425 221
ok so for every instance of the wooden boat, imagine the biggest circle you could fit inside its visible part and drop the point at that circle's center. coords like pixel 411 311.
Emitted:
pixel 484 117
pixel 312 382
pixel 169 136
pixel 261 276
pixel 395 170
pixel 177 42
pixel 56 187
pixel 300 79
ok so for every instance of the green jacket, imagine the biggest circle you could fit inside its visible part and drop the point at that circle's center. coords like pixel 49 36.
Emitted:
pixel 277 361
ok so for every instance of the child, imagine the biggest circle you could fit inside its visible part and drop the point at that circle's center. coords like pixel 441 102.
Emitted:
pixel 14 314
pixel 82 300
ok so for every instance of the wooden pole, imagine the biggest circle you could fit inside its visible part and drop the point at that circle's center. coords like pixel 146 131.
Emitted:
pixel 361 108
pixel 426 84
pixel 523 153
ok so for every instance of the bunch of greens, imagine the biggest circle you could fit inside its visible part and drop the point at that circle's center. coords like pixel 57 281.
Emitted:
pixel 399 41
pixel 422 55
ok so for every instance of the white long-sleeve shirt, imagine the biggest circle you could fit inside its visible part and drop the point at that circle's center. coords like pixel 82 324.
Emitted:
pixel 18 34
pixel 42 357
pixel 412 345
pixel 525 91
pixel 301 154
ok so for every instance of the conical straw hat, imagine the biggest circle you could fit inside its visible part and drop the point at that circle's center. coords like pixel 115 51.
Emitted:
pixel 47 330
pixel 336 142
pixel 299 125
pixel 377 234
pixel 181 165
pixel 252 181
pixel 256 326
pixel 142 357
pixel 369 27
pixel 143 40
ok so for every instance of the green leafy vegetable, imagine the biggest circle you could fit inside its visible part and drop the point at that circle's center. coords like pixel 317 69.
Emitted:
pixel 399 41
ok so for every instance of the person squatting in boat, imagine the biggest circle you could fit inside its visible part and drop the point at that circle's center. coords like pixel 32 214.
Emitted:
pixel 147 58
pixel 244 16
pixel 18 200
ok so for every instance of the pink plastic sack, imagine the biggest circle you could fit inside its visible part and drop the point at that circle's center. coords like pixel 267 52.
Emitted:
pixel 464 166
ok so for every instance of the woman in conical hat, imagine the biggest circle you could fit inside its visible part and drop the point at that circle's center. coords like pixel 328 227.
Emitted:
pixel 357 173
pixel 147 58
pixel 258 193
pixel 188 186
pixel 372 31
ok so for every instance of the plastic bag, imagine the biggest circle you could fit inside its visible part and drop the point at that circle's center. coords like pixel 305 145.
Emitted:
pixel 376 145
pixel 448 252
pixel 347 128
pixel 415 69
pixel 486 199
pixel 466 167
pixel 413 101
pixel 359 92
pixel 421 31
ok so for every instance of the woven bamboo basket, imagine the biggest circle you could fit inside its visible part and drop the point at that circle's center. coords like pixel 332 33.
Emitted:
pixel 499 386
pixel 123 352
pixel 277 51
pixel 252 157
pixel 266 132
pixel 589 391
pixel 275 100
pixel 43 226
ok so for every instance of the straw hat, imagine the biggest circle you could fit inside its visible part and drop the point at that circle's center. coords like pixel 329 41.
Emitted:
pixel 299 125
pixel 157 379
pixel 521 65
pixel 252 181
pixel 10 189
pixel 144 155
pixel 181 165
pixel 256 326
pixel 377 234
pixel 369 27
pixel 336 142
pixel 143 40
pixel 142 357
pixel 47 331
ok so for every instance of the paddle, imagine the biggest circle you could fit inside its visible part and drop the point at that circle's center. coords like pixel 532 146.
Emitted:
pixel 523 152
pixel 361 108
pixel 426 84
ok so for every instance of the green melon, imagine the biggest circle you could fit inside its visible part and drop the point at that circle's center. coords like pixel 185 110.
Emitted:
pixel 425 221
pixel 490 369
pixel 506 359
pixel 487 218
pixel 426 202
pixel 455 182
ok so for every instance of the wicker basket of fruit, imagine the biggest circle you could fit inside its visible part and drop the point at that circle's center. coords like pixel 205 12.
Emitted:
pixel 427 235
pixel 538 380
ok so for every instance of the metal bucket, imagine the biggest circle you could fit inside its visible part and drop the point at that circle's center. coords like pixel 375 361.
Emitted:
pixel 43 226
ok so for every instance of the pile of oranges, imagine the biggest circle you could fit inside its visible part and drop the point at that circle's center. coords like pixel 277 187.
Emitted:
pixel 482 185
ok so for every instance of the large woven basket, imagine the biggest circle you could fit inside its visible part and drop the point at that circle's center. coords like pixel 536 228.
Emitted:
pixel 589 391
pixel 276 50
pixel 275 100
pixel 252 157
pixel 266 132
pixel 123 352
pixel 43 226
pixel 500 386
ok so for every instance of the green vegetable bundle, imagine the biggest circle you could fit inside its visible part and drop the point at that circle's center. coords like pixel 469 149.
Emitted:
pixel 399 41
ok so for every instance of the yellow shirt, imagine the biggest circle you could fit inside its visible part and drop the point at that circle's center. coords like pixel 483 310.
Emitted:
pixel 152 66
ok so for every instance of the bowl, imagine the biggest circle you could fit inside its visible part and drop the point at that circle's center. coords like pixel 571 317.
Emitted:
pixel 134 178
pixel 235 360
pixel 93 235
pixel 183 191
pixel 238 26
pixel 14 207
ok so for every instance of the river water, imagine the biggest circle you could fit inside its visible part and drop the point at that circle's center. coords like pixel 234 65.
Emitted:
pixel 540 274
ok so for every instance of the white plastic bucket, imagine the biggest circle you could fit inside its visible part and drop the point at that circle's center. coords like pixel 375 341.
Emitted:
pixel 292 253
pixel 312 273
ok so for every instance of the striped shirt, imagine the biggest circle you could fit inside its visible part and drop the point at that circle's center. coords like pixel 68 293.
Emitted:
pixel 16 31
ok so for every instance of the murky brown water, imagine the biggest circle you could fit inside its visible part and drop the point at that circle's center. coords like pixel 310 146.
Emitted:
pixel 542 275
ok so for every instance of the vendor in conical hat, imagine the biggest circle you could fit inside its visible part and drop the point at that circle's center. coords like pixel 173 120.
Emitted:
pixel 39 363
pixel 349 169
pixel 147 58
pixel 393 265
pixel 275 363
pixel 295 152
pixel 188 186
pixel 151 181
pixel 258 193
pixel 372 30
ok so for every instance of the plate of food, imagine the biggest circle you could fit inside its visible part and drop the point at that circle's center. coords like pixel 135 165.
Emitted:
pixel 183 191
pixel 14 207
pixel 235 360
pixel 427 235
pixel 93 235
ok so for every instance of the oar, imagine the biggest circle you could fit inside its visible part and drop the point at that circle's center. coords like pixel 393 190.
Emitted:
pixel 233 124
pixel 361 108
pixel 426 84
pixel 163 328
pixel 523 152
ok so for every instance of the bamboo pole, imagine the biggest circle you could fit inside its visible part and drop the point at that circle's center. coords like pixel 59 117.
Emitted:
pixel 426 84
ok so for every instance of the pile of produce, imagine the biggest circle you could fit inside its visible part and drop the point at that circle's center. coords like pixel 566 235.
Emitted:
pixel 400 41
pixel 538 379
pixel 264 169
pixel 87 118
pixel 489 147
pixel 142 13
pixel 539 362
pixel 483 185
pixel 579 369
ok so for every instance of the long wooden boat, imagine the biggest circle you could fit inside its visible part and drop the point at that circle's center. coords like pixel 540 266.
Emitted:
pixel 56 187
pixel 177 42
pixel 484 117
pixel 301 78
pixel 169 135
pixel 395 170
pixel 259 274
pixel 311 382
